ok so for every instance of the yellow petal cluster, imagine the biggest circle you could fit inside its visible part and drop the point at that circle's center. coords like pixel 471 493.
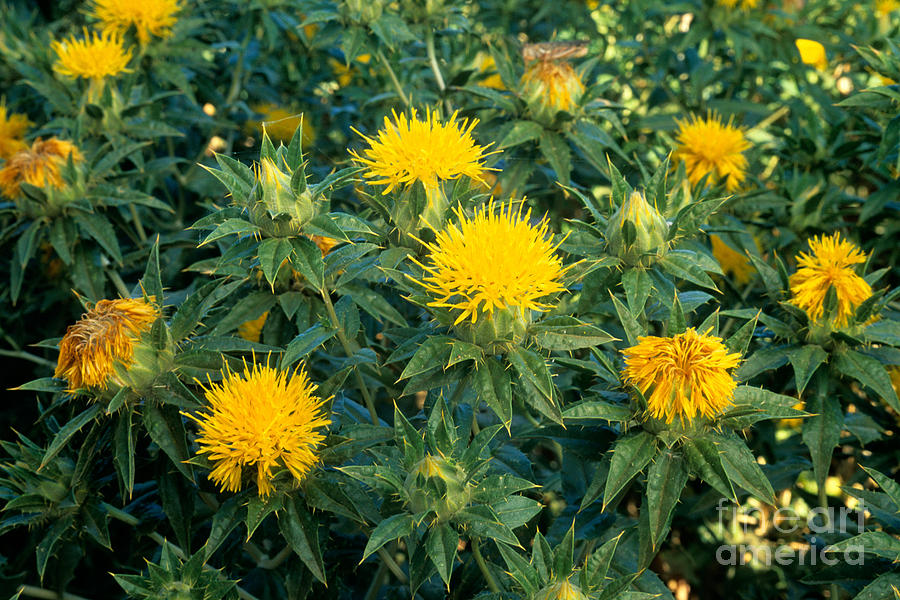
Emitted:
pixel 708 146
pixel 39 165
pixel 830 264
pixel 741 4
pixel 148 17
pixel 885 7
pixel 685 375
pixel 12 132
pixel 95 57
pixel 733 263
pixel 280 123
pixel 554 82
pixel 252 330
pixel 494 260
pixel 812 53
pixel 103 336
pixel 265 417
pixel 485 64
pixel 430 151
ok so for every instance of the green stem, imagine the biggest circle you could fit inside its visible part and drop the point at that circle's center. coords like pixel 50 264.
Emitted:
pixel 488 577
pixel 137 222
pixel 393 76
pixel 117 281
pixel 37 592
pixel 435 68
pixel 375 586
pixel 392 565
pixel 26 356
pixel 348 350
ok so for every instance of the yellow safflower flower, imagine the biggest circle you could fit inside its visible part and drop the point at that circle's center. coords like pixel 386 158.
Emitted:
pixel 252 330
pixel 38 165
pixel 148 17
pixel 733 263
pixel 741 4
pixel 280 123
pixel 708 146
pixel 812 53
pixel 95 57
pixel 12 132
pixel 554 83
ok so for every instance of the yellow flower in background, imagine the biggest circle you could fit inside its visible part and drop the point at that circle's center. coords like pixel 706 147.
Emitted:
pixel 95 57
pixel 280 123
pixel 148 17
pixel 830 264
pixel 708 146
pixel 812 53
pixel 733 263
pixel 252 330
pixel 39 165
pixel 686 375
pixel 430 151
pixel 494 260
pixel 12 132
pixel 554 83
pixel 343 72
pixel 885 7
pixel 103 336
pixel 742 4
pixel 265 417
pixel 485 64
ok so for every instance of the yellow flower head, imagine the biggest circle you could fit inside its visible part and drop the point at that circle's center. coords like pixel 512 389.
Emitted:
pixel 733 263
pixel 264 417
pixel 812 53
pixel 710 146
pixel 149 17
pixel 103 336
pixel 565 590
pixel 829 265
pixel 686 374
pixel 742 4
pixel 280 123
pixel 554 83
pixel 485 64
pixel 251 330
pixel 885 7
pixel 12 133
pixel 94 57
pixel 495 260
pixel 410 150
pixel 38 166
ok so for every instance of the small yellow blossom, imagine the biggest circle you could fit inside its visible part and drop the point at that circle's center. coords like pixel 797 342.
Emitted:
pixel 830 264
pixel 741 4
pixel 885 7
pixel 252 330
pixel 553 83
pixel 95 57
pixel 485 64
pixel 812 53
pixel 148 17
pixel 733 263
pixel 104 336
pixel 708 146
pixel 12 132
pixel 267 418
pixel 39 166
pixel 685 375
pixel 280 123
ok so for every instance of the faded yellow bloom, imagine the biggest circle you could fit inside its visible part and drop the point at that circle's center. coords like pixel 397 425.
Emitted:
pixel 741 4
pixel 95 57
pixel 267 418
pixel 686 375
pixel 492 261
pixel 39 166
pixel 733 263
pixel 12 132
pixel 885 7
pixel 708 146
pixel 280 123
pixel 553 83
pixel 830 264
pixel 148 17
pixel 345 73
pixel 812 53
pixel 485 64
pixel 429 151
pixel 104 336
pixel 252 330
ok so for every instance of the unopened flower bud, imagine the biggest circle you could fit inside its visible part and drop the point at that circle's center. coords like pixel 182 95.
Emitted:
pixel 636 230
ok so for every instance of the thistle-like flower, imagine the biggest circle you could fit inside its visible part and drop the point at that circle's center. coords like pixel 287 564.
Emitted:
pixel 733 263
pixel 553 84
pixel 496 260
pixel 252 330
pixel 636 229
pixel 39 166
pixel 708 146
pixel 148 17
pixel 94 57
pixel 429 151
pixel 686 375
pixel 830 265
pixel 745 5
pixel 267 418
pixel 103 337
pixel 812 53
pixel 12 133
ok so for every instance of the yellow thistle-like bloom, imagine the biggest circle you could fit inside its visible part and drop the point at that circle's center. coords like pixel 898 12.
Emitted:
pixel 829 265
pixel 686 374
pixel 103 336
pixel 554 83
pixel 266 417
pixel 38 166
pixel 252 330
pixel 345 73
pixel 733 263
pixel 280 123
pixel 812 53
pixel 565 590
pixel 710 146
pixel 149 17
pixel 12 132
pixel 485 64
pixel 429 151
pixel 885 7
pixel 495 260
pixel 94 57
pixel 741 4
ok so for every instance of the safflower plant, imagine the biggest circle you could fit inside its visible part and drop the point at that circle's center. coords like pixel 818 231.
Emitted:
pixel 444 300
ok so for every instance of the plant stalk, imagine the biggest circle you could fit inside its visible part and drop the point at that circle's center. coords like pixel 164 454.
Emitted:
pixel 393 76
pixel 488 577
